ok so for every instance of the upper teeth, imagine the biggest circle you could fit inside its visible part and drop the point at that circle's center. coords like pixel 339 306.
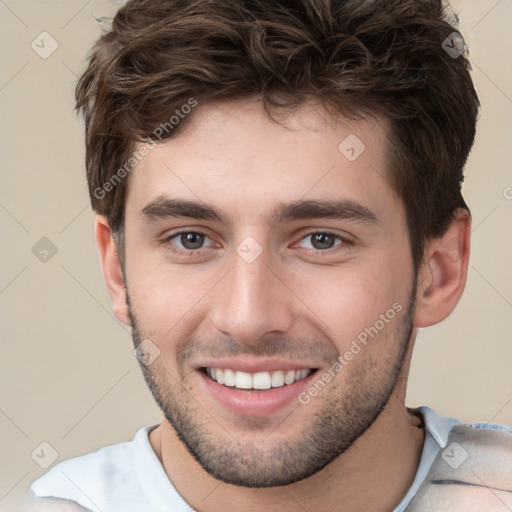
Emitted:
pixel 260 380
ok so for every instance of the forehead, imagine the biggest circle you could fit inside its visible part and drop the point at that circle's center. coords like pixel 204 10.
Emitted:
pixel 233 155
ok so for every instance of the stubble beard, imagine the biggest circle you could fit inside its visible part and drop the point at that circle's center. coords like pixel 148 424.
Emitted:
pixel 349 410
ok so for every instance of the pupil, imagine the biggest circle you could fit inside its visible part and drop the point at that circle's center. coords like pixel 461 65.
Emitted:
pixel 325 241
pixel 192 240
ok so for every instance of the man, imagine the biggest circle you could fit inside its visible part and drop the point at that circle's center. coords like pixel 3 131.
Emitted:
pixel 279 210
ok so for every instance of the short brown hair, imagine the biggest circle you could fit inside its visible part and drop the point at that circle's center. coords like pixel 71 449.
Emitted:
pixel 364 57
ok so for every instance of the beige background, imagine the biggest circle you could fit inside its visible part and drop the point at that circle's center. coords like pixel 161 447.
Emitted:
pixel 68 373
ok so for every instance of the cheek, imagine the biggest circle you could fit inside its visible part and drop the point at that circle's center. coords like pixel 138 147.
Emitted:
pixel 347 300
pixel 168 299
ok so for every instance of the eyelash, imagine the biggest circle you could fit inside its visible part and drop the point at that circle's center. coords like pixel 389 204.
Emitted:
pixel 192 252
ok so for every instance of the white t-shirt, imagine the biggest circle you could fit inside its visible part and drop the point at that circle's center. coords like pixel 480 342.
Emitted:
pixel 128 477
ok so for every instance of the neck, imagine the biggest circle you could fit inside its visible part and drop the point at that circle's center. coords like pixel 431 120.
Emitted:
pixel 372 475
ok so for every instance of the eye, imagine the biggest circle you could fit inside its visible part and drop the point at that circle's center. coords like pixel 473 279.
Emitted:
pixel 187 241
pixel 322 240
pixel 194 241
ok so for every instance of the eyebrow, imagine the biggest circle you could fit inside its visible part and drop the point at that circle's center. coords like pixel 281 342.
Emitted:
pixel 341 209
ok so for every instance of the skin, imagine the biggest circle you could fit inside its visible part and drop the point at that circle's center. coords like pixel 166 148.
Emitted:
pixel 232 156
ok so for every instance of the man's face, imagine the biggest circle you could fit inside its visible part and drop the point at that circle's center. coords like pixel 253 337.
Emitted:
pixel 313 300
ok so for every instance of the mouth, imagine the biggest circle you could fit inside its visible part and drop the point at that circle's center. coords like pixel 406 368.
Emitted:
pixel 255 392
pixel 256 381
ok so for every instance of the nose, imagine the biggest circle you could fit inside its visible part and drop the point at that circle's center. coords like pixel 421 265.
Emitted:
pixel 252 301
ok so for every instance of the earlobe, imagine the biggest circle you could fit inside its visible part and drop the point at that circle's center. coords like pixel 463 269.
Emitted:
pixel 443 274
pixel 112 270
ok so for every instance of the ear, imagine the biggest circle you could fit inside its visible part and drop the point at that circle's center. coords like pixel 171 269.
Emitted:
pixel 112 270
pixel 442 276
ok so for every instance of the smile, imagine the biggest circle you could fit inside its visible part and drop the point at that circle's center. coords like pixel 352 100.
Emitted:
pixel 258 380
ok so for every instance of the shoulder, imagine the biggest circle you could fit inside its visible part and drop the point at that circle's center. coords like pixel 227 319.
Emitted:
pixel 56 505
pixel 91 479
pixel 472 471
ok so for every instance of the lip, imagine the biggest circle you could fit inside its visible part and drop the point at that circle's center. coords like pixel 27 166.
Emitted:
pixel 253 402
pixel 255 365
